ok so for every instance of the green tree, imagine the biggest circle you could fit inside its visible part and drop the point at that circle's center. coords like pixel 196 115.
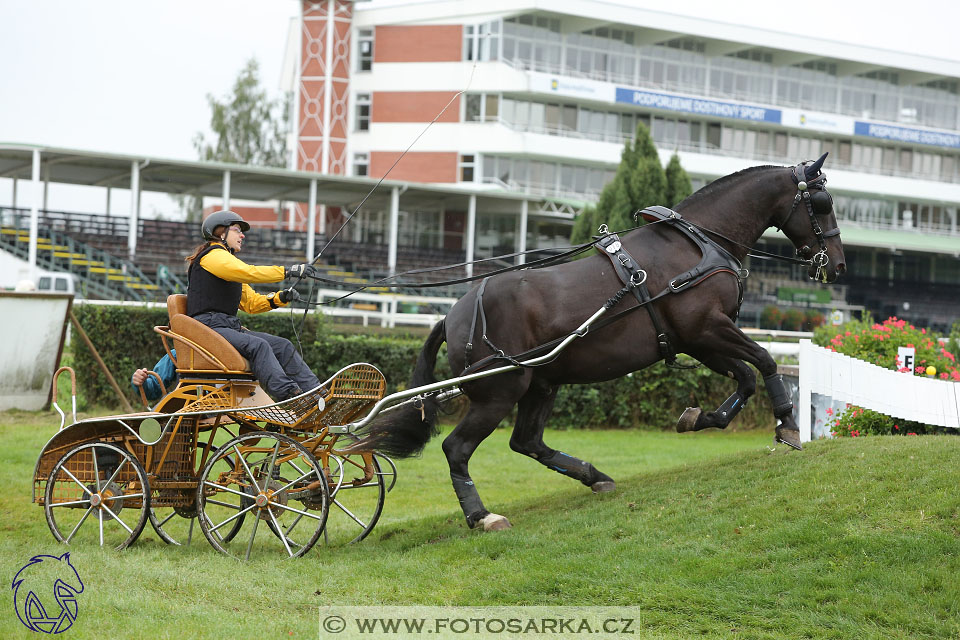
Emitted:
pixel 248 126
pixel 678 182
pixel 640 182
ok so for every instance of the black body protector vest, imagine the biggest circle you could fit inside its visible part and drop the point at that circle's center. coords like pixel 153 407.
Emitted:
pixel 206 292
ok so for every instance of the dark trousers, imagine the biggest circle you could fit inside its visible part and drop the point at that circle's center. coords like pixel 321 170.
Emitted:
pixel 273 360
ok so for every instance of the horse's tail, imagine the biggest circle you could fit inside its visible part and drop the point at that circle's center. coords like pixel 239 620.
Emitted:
pixel 405 431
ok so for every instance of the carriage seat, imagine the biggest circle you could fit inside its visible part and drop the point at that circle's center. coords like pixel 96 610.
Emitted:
pixel 215 355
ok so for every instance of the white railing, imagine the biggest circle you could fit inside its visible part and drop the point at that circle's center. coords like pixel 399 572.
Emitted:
pixel 899 395
pixel 386 308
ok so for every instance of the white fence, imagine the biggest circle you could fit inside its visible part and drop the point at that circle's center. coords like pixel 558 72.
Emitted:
pixel 385 308
pixel 900 395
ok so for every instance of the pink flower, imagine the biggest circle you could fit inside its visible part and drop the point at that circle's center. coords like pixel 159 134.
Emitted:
pixel 924 332
pixel 944 376
pixel 896 427
pixel 855 433
pixel 911 433
pixel 920 369
pixel 910 345
pixel 829 411
pixel 955 374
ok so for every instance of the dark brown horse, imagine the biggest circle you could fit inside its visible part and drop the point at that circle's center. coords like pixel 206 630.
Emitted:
pixel 528 308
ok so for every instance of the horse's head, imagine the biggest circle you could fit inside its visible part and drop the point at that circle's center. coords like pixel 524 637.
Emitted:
pixel 811 224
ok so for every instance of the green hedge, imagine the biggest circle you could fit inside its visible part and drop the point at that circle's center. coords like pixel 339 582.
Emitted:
pixel 652 398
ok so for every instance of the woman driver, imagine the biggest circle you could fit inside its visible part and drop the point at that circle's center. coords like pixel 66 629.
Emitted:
pixel 218 286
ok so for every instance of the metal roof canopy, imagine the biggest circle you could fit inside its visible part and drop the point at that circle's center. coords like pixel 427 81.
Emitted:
pixel 138 173
pixel 89 168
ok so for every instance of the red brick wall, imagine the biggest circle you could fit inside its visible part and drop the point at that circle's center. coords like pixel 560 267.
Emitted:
pixel 414 106
pixel 430 43
pixel 416 166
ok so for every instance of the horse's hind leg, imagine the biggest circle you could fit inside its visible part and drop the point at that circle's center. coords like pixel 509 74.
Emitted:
pixel 693 419
pixel 533 410
pixel 480 421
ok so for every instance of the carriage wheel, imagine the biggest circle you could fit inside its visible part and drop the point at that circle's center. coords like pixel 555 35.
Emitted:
pixel 175 525
pixel 263 476
pixel 97 493
pixel 358 487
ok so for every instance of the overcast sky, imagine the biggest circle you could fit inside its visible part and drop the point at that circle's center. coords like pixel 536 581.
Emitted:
pixel 132 76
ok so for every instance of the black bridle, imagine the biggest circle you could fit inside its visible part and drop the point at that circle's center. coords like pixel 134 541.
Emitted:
pixel 807 185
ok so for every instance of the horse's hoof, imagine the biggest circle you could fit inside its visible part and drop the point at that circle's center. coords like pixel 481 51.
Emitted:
pixel 604 486
pixel 789 437
pixel 688 420
pixel 494 522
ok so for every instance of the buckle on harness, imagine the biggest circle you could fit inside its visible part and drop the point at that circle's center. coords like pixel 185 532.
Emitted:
pixel 677 287
pixel 635 278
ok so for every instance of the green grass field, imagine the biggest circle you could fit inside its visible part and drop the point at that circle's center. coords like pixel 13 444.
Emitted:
pixel 708 535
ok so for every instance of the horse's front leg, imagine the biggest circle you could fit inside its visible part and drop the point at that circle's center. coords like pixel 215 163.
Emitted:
pixel 725 338
pixel 694 419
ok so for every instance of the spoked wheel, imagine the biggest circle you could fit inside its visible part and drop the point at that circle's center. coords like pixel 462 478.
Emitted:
pixel 359 484
pixel 262 476
pixel 97 493
pixel 175 525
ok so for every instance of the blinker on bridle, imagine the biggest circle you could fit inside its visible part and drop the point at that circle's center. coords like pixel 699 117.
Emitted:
pixel 819 199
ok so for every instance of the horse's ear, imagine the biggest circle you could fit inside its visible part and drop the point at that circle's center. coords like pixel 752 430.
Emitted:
pixel 814 169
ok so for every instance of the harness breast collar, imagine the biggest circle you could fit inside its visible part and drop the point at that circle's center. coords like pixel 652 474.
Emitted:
pixel 714 259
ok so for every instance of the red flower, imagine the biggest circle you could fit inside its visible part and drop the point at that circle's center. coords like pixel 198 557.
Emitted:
pixel 896 427
pixel 829 411
pixel 944 376
pixel 855 433
pixel 911 433
pixel 955 374
pixel 920 369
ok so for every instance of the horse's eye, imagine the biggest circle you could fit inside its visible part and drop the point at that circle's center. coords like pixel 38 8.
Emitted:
pixel 805 251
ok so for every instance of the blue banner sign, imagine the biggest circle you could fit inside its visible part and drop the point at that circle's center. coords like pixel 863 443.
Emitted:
pixel 698 106
pixel 906 134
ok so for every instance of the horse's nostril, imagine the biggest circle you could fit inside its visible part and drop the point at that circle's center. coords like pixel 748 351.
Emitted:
pixel 841 267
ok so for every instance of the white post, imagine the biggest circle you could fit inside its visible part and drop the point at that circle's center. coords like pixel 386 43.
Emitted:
pixel 522 240
pixel 34 214
pixel 226 189
pixel 804 398
pixel 134 209
pixel 311 219
pixel 471 233
pixel 323 220
pixel 109 192
pixel 14 198
pixel 394 230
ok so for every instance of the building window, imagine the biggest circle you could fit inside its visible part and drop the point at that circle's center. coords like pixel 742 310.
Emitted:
pixel 361 164
pixel 482 41
pixel 467 164
pixel 363 112
pixel 472 106
pixel 365 49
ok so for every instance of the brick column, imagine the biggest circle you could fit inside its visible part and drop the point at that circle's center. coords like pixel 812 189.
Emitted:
pixel 323 94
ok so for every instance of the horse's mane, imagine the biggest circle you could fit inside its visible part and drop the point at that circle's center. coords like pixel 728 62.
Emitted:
pixel 720 184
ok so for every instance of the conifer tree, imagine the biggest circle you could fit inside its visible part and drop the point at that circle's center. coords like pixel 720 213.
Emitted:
pixel 678 182
pixel 640 182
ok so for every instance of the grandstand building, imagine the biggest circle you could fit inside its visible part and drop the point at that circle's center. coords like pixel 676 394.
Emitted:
pixel 552 90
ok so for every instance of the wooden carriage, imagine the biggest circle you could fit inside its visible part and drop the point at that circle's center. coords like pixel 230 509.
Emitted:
pixel 217 451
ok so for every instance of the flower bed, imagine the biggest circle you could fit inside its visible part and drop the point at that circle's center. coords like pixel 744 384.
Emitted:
pixel 878 343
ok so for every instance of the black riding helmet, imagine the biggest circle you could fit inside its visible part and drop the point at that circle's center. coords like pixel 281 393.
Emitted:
pixel 223 218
